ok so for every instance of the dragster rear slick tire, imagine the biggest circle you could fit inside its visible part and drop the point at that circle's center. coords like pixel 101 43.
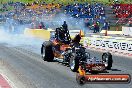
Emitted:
pixel 47 52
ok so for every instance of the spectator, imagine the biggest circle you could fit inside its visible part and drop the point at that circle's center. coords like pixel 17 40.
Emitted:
pixel 87 23
pixel 96 27
pixel 40 26
pixel 98 24
pixel 43 26
pixel 106 25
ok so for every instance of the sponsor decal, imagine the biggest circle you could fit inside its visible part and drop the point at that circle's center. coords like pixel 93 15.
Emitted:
pixel 108 78
pixel 104 78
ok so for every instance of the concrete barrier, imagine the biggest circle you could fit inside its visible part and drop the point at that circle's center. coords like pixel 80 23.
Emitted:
pixel 111 32
pixel 37 33
pixel 45 34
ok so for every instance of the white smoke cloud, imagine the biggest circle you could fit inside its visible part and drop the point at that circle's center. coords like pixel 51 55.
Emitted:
pixel 73 23
pixel 12 33
pixel 18 39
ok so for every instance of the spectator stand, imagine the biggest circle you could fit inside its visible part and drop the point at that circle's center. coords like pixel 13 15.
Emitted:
pixel 123 10
pixel 90 12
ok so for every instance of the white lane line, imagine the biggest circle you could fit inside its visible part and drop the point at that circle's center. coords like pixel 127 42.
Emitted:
pixel 8 80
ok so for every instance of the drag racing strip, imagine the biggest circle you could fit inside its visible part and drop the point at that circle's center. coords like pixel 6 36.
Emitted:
pixel 14 78
pixel 38 71
pixel 117 68
pixel 26 69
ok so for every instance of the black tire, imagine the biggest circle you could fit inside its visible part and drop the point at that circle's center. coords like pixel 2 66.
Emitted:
pixel 80 79
pixel 74 63
pixel 107 57
pixel 42 51
pixel 47 52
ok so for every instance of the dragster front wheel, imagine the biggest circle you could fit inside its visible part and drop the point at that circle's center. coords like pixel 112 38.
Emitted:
pixel 74 63
pixel 107 59
pixel 80 79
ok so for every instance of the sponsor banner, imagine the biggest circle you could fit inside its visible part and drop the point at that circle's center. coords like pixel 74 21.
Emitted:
pixel 119 45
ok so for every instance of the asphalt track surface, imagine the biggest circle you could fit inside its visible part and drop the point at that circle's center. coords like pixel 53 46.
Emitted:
pixel 24 67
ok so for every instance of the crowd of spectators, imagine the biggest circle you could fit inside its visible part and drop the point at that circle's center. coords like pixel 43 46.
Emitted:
pixel 122 10
pixel 37 14
pixel 85 10
pixel 92 14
